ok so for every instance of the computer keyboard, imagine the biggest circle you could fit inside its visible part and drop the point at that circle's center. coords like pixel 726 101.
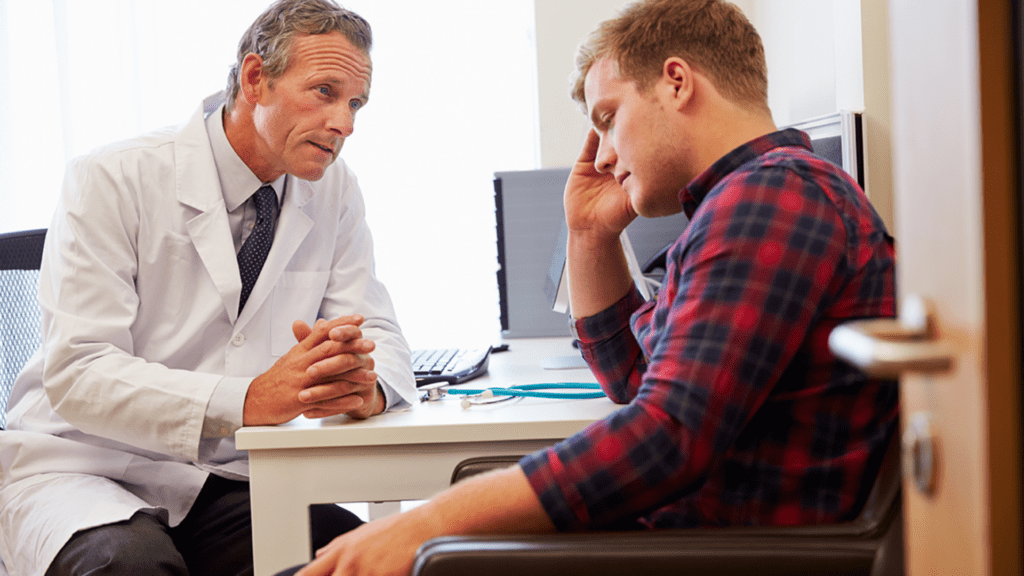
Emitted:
pixel 451 365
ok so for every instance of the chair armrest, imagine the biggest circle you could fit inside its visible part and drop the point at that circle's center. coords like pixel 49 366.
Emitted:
pixel 721 552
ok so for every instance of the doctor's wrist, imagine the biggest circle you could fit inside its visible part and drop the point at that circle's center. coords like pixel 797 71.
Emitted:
pixel 380 400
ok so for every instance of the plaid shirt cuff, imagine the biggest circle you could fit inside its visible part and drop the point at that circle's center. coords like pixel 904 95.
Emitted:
pixel 608 322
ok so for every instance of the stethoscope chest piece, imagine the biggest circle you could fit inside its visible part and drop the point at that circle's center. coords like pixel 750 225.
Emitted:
pixel 433 392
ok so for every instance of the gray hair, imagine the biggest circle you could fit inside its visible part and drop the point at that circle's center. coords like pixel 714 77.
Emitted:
pixel 270 36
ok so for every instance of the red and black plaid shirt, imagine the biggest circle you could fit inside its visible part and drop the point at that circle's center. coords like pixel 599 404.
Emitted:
pixel 736 411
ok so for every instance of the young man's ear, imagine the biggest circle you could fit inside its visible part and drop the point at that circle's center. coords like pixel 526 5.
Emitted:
pixel 678 76
pixel 250 78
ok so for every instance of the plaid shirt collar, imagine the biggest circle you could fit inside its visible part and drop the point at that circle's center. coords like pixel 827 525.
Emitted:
pixel 695 192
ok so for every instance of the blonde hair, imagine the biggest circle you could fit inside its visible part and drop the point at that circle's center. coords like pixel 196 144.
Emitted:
pixel 712 36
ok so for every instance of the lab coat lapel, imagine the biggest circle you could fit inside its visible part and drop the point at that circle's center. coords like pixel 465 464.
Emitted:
pixel 293 226
pixel 198 187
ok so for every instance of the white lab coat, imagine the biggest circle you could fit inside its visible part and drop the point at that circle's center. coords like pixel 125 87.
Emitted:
pixel 139 290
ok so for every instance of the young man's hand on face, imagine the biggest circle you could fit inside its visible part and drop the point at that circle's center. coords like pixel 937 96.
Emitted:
pixel 595 204
pixel 597 210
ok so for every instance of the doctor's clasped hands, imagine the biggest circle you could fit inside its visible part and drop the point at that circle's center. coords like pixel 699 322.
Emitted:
pixel 328 372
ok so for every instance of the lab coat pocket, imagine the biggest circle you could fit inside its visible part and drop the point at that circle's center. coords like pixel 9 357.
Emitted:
pixel 297 296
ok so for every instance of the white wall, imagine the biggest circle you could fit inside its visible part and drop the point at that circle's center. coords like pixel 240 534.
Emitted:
pixel 802 46
pixel 806 43
pixel 561 25
pixel 825 56
pixel 812 48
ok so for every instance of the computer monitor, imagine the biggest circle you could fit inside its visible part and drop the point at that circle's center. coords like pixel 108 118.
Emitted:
pixel 644 242
pixel 837 138
pixel 528 209
pixel 531 235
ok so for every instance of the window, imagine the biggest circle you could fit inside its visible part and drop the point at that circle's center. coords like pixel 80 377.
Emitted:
pixel 452 101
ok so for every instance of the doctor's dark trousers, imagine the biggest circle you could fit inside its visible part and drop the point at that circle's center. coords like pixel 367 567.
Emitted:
pixel 215 538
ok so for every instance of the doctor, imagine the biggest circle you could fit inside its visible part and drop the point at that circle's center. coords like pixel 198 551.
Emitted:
pixel 120 455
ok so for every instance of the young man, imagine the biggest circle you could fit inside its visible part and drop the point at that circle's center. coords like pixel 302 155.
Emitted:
pixel 180 270
pixel 736 412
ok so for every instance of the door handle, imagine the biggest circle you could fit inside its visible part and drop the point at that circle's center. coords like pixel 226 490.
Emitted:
pixel 920 452
pixel 885 347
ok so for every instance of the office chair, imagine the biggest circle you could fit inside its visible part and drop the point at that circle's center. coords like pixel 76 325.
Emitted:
pixel 869 545
pixel 20 255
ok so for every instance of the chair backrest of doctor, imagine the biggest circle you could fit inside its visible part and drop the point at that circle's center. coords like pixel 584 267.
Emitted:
pixel 20 255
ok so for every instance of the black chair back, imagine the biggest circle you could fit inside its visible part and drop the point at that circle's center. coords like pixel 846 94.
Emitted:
pixel 20 255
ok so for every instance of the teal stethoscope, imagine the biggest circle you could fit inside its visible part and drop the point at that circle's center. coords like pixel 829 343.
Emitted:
pixel 492 395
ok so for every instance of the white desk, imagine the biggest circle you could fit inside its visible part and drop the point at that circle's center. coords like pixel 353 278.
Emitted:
pixel 408 455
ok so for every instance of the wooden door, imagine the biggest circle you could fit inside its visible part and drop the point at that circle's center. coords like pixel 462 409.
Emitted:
pixel 957 205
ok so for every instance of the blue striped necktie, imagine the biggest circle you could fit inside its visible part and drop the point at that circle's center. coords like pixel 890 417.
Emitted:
pixel 254 252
